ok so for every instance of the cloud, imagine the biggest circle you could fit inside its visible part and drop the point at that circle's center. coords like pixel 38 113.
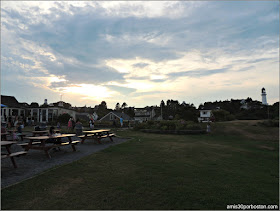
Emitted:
pixel 198 73
pixel 259 60
pixel 121 89
pixel 77 40
pixel 140 65
pixel 137 94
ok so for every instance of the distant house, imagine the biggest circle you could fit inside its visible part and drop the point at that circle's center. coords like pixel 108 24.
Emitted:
pixel 205 115
pixel 144 114
pixel 11 108
pixel 115 115
pixel 44 113
pixel 49 113
pixel 244 105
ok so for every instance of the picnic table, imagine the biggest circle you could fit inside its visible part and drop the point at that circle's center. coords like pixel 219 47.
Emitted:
pixel 97 135
pixel 39 132
pixel 9 154
pixel 40 143
pixel 43 132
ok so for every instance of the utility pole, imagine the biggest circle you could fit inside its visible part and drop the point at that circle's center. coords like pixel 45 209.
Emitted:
pixel 161 112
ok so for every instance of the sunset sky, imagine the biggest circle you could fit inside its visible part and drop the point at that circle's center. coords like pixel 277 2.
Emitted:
pixel 139 52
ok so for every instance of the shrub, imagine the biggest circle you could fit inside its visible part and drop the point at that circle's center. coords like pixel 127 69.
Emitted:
pixel 168 125
pixel 193 127
pixel 63 118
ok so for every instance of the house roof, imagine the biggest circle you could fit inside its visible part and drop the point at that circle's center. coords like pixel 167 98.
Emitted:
pixel 144 109
pixel 205 109
pixel 11 101
pixel 142 115
pixel 119 114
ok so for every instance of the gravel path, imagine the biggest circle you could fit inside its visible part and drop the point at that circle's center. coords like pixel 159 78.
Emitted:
pixel 36 161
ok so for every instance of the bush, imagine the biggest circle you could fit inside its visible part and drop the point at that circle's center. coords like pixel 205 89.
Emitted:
pixel 230 117
pixel 64 118
pixel 168 125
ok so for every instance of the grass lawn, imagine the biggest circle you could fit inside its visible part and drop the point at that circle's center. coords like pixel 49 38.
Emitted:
pixel 154 171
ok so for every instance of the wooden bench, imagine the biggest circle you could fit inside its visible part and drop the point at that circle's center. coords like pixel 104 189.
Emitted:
pixel 66 143
pixel 12 155
pixel 83 136
pixel 23 145
pixel 53 146
pixel 15 154
pixel 108 135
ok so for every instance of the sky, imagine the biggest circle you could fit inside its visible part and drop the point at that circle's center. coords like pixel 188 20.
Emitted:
pixel 139 52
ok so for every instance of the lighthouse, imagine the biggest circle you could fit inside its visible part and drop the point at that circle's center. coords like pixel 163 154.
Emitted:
pixel 264 97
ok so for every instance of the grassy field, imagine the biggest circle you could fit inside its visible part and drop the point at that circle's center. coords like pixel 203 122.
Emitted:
pixel 238 163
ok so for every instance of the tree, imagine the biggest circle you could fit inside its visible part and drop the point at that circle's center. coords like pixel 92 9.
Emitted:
pixel 64 118
pixel 103 104
pixel 129 111
pixel 102 109
pixel 124 105
pixel 117 107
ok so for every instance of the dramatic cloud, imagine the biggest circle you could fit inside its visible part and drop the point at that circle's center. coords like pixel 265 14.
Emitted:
pixel 139 52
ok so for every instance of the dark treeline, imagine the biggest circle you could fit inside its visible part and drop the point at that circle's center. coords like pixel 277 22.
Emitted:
pixel 226 110
pixel 172 109
pixel 247 109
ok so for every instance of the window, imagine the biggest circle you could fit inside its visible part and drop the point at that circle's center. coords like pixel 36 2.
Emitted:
pixel 111 117
pixel 204 112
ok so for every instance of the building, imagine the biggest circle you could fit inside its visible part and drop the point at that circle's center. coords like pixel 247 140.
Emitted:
pixel 114 115
pixel 205 115
pixel 44 113
pixel 244 105
pixel 264 102
pixel 144 114
pixel 11 108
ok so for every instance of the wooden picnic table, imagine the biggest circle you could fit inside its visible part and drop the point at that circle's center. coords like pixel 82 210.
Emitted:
pixel 40 132
pixel 40 143
pixel 97 135
pixel 43 132
pixel 9 154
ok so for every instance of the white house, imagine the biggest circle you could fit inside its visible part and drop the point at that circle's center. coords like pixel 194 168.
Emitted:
pixel 45 113
pixel 144 114
pixel 49 114
pixel 205 115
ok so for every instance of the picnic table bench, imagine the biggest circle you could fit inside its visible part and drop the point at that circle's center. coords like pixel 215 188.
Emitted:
pixel 9 154
pixel 97 135
pixel 40 143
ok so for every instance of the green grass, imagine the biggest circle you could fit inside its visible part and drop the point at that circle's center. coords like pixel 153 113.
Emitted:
pixel 154 171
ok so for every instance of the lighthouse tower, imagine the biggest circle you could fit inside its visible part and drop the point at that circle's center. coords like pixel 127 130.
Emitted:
pixel 264 97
